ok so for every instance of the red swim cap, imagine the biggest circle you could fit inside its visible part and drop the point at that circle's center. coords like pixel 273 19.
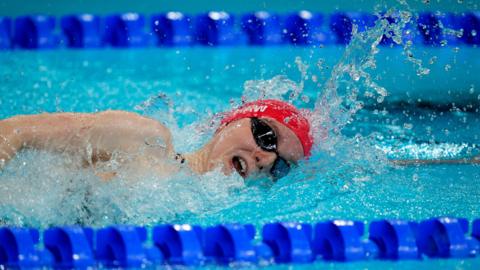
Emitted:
pixel 281 111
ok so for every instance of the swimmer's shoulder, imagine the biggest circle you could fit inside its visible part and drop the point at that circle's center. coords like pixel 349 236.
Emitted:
pixel 130 117
pixel 135 121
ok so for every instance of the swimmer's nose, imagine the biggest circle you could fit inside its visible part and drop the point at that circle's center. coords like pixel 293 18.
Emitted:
pixel 264 159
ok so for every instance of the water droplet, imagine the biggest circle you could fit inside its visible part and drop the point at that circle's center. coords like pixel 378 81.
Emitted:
pixel 432 60
pixel 305 99
pixel 447 67
pixel 356 77
pixel 474 33
pixel 408 126
pixel 423 71
pixel 415 177
pixel 460 33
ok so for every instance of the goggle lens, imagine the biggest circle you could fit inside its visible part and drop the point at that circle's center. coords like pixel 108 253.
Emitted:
pixel 266 139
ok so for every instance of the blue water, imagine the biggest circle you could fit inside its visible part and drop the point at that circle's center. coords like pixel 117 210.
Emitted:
pixel 349 176
pixel 90 80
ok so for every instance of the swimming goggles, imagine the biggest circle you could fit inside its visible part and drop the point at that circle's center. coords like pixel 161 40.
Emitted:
pixel 266 139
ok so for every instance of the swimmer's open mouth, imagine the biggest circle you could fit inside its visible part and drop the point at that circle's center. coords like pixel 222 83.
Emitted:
pixel 240 165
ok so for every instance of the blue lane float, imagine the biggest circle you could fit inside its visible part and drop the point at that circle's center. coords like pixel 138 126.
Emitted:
pixel 219 28
pixel 71 247
pixel 230 243
pixel 18 249
pixel 452 31
pixel 341 24
pixel 180 244
pixel 123 246
pixel 470 23
pixel 446 238
pixel 281 242
pixel 289 242
pixel 395 240
pixel 429 27
pixel 262 28
pixel 82 31
pixel 5 33
pixel 341 240
pixel 35 32
pixel 126 30
pixel 409 33
pixel 216 28
pixel 306 28
pixel 172 29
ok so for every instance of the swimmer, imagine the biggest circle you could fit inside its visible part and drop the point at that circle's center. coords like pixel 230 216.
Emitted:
pixel 260 137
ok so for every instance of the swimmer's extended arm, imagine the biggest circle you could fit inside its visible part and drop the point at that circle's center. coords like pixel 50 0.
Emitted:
pixel 91 136
pixel 406 162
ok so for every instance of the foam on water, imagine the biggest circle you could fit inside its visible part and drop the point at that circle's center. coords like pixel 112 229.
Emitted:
pixel 40 189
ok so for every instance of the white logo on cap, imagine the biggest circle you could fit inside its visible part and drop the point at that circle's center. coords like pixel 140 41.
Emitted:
pixel 254 108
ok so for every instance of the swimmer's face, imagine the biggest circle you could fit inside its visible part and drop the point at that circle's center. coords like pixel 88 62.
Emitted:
pixel 235 148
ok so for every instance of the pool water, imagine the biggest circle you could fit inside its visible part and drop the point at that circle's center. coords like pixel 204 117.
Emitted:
pixel 349 175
